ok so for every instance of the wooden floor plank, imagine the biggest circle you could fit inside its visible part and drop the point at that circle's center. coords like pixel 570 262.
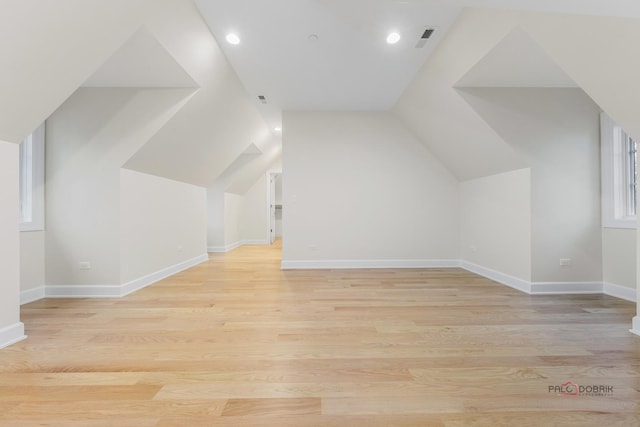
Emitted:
pixel 271 406
pixel 236 341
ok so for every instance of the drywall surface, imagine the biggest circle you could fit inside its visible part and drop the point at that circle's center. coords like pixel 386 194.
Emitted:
pixel 496 223
pixel 359 186
pixel 162 224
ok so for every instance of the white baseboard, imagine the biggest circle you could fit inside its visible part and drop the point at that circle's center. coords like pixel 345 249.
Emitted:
pixel 552 288
pixel 232 246
pixel 31 295
pixel 636 326
pixel 565 288
pixel 82 291
pixel 505 279
pixel 152 278
pixel 12 334
pixel 355 264
pixel 117 291
pixel 223 249
pixel 254 242
pixel 621 292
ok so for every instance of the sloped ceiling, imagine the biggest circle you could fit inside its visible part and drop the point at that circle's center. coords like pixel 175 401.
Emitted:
pixel 348 65
pixel 501 48
pixel 436 113
pixel 601 54
pixel 516 61
pixel 244 179
pixel 49 48
pixel 141 62
pixel 219 121
pixel 245 170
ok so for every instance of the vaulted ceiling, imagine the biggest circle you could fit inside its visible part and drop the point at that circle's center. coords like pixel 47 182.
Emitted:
pixel 332 54
pixel 347 66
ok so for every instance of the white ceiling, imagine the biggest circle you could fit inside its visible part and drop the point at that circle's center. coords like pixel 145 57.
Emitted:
pixel 349 66
pixel 141 62
pixel 517 61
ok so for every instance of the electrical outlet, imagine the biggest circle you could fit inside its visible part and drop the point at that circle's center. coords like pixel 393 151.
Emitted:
pixel 564 262
pixel 85 265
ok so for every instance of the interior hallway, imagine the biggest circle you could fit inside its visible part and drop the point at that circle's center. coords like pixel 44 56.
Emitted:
pixel 236 341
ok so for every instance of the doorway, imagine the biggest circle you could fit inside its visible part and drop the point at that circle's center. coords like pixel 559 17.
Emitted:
pixel 275 206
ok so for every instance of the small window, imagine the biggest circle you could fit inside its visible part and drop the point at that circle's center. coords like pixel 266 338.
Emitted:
pixel 619 176
pixel 631 174
pixel 32 181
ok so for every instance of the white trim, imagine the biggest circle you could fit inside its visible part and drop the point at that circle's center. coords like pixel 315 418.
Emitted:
pixel 636 326
pixel 12 334
pixel 357 264
pixel 565 288
pixel 223 249
pixel 152 278
pixel 117 291
pixel 254 242
pixel 37 181
pixel 553 288
pixel 531 288
pixel 83 291
pixel 613 176
pixel 621 292
pixel 505 279
pixel 31 295
pixel 232 246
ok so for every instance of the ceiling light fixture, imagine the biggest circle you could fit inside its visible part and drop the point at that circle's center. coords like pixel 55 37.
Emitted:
pixel 233 38
pixel 393 38
pixel 278 129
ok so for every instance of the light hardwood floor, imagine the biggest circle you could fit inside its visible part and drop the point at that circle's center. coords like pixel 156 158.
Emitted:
pixel 237 342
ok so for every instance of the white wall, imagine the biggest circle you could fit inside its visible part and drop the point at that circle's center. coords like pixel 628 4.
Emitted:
pixel 495 223
pixel 359 186
pixel 603 67
pixel 557 132
pixel 88 139
pixel 254 220
pixel 278 199
pixel 82 186
pixel 11 329
pixel 636 319
pixel 32 261
pixel 215 218
pixel 619 256
pixel 162 224
pixel 232 218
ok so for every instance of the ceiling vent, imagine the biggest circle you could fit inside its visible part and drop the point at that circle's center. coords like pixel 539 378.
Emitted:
pixel 262 99
pixel 425 36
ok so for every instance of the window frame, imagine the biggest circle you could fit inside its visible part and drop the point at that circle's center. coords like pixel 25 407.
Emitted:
pixel 616 169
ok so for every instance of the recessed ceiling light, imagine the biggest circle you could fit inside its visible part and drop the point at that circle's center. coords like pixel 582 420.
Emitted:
pixel 278 129
pixel 233 38
pixel 393 38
